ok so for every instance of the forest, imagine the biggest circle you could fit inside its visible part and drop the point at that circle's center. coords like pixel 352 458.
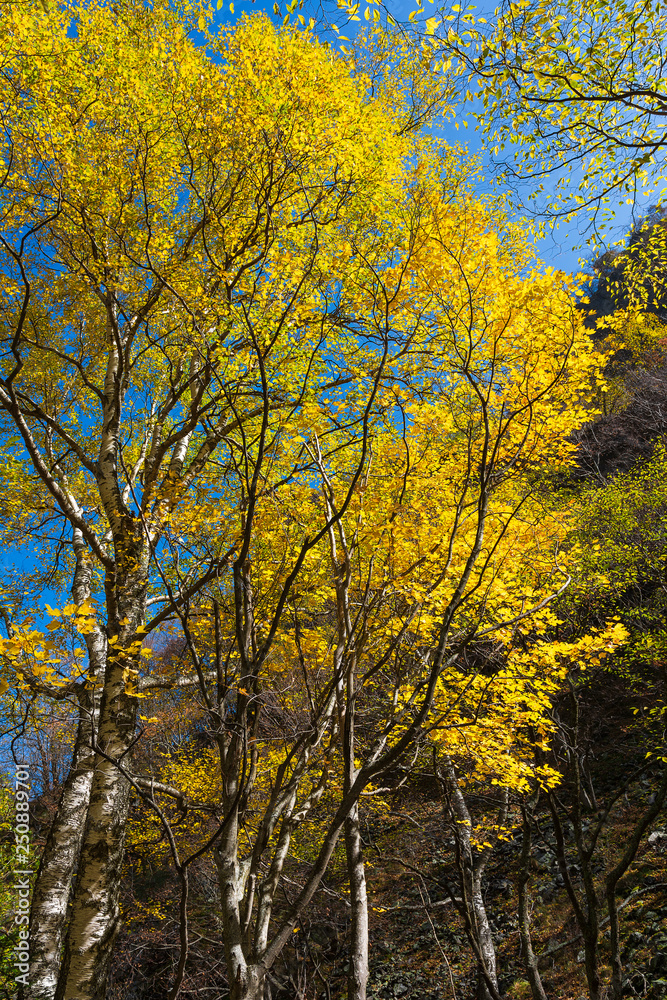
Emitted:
pixel 333 654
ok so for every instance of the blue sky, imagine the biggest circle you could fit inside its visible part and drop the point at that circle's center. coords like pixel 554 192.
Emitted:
pixel 564 248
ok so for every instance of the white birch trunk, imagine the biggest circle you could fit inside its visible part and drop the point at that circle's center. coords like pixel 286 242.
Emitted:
pixel 60 857
pixel 358 973
pixel 95 914
pixel 94 918
pixel 59 860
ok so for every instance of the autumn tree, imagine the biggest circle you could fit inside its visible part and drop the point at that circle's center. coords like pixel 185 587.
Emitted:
pixel 166 220
pixel 615 700
pixel 359 597
pixel 266 358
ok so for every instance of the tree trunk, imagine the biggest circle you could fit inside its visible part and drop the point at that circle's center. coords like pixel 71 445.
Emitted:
pixel 472 863
pixel 586 909
pixel 60 857
pixel 59 861
pixel 484 937
pixel 230 880
pixel 587 920
pixel 617 873
pixel 358 973
pixel 248 985
pixel 529 956
pixel 95 913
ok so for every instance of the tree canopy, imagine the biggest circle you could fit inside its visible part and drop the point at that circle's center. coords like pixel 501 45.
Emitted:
pixel 290 418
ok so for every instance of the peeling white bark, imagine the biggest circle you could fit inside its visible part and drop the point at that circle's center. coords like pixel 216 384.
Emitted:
pixel 94 918
pixel 60 857
pixel 59 860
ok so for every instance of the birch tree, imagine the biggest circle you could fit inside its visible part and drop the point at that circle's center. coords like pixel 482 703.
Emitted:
pixel 149 193
pixel 229 275
pixel 384 556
